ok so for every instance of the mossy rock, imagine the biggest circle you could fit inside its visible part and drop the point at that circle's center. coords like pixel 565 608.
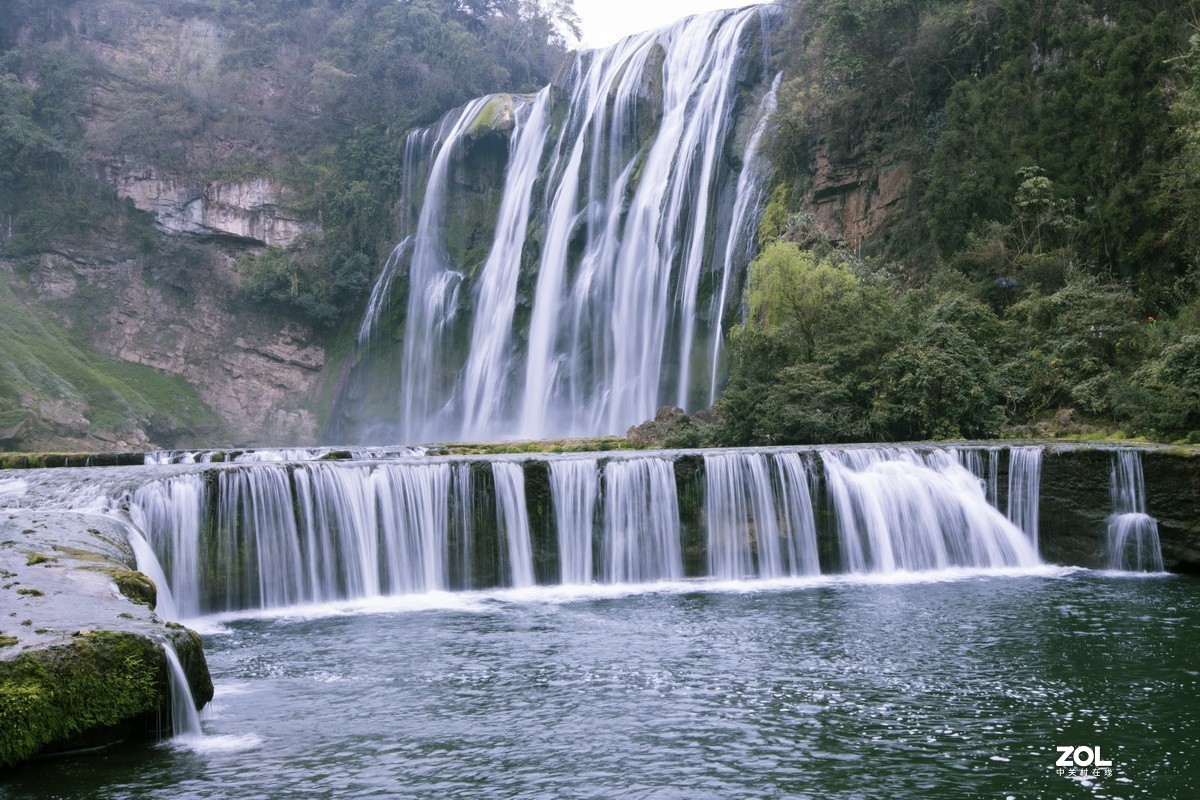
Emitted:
pixel 59 697
pixel 135 585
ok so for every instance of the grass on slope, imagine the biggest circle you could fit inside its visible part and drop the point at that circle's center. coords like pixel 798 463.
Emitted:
pixel 40 358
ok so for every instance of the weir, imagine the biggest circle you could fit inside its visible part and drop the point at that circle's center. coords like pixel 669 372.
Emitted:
pixel 272 535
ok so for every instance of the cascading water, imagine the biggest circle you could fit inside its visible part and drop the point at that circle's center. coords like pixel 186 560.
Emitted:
pixel 752 530
pixel 1024 489
pixel 170 513
pixel 641 522
pixel 185 719
pixel 266 535
pixel 1133 542
pixel 988 471
pixel 485 385
pixel 739 247
pixel 512 518
pixel 417 150
pixel 462 539
pixel 640 229
pixel 433 290
pixel 900 510
pixel 575 485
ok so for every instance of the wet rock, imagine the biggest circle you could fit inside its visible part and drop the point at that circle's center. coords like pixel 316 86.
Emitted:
pixel 81 649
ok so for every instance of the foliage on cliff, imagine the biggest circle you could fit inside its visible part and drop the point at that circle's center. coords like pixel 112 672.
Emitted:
pixel 1042 277
pixel 313 93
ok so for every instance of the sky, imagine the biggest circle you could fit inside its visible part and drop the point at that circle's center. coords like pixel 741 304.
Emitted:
pixel 606 21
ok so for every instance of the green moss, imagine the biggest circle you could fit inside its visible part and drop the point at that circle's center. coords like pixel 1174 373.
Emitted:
pixel 133 584
pixel 31 592
pixel 8 641
pixel 492 114
pixel 775 215
pixel 99 680
pixel 36 558
pixel 80 555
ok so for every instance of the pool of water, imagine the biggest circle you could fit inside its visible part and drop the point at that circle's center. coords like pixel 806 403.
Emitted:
pixel 923 687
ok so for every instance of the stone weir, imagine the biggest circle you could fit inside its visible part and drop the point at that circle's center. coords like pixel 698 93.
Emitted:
pixel 82 661
pixel 240 537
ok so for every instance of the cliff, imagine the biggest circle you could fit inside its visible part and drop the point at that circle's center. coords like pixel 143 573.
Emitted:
pixel 195 197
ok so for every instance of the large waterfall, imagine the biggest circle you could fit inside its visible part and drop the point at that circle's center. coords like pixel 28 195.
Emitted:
pixel 616 252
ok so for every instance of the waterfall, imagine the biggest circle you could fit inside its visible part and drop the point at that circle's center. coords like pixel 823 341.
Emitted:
pixel 261 536
pixel 1133 542
pixel 433 288
pixel 987 471
pixel 489 363
pixel 743 224
pixel 463 539
pixel 621 230
pixel 1024 488
pixel 512 517
pixel 169 514
pixel 756 525
pixel 381 292
pixel 413 502
pixel 797 514
pixel 258 532
pixel 185 720
pixel 900 510
pixel 148 565
pixel 641 522
pixel 574 485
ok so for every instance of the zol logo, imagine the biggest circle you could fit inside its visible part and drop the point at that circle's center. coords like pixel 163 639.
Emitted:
pixel 1077 761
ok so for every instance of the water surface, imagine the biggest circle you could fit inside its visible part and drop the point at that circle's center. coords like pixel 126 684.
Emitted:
pixel 831 688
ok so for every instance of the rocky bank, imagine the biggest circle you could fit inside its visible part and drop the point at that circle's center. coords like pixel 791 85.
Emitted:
pixel 81 649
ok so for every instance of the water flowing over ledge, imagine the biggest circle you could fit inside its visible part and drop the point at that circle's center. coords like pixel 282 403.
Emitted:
pixel 613 261
pixel 247 537
pixel 274 534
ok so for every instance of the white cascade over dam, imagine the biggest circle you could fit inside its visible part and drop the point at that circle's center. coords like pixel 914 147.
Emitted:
pixel 625 222
pixel 230 537
pixel 260 536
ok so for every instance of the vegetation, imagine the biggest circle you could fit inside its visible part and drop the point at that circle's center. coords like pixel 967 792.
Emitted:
pixel 315 95
pixel 43 363
pixel 1042 277
pixel 100 679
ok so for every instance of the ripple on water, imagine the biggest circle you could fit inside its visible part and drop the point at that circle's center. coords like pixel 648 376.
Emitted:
pixel 827 689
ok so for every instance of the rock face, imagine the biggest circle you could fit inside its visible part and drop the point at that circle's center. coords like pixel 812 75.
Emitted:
pixel 852 197
pixel 260 374
pixel 81 649
pixel 155 101
pixel 252 210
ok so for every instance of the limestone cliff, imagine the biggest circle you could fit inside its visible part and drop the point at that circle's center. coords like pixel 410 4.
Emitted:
pixel 84 304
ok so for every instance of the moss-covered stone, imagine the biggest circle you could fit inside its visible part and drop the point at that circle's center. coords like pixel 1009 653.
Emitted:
pixel 54 460
pixel 87 666
pixel 497 115
pixel 54 697
pixel 135 585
